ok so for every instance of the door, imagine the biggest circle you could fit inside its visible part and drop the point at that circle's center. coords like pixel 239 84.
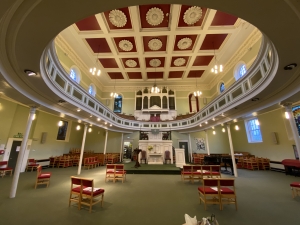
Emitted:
pixel 14 153
pixel 184 145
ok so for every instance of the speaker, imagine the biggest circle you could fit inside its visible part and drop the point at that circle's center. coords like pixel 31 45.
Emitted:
pixel 274 138
pixel 107 102
pixel 44 137
pixel 204 101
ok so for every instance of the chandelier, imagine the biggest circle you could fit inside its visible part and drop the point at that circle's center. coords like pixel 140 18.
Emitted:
pixel 155 89
pixel 197 93
pixel 94 70
pixel 216 68
pixel 114 93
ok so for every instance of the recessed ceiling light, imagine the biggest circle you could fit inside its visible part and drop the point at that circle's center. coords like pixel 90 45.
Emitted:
pixel 290 66
pixel 78 110
pixel 30 72
pixel 254 99
pixel 98 119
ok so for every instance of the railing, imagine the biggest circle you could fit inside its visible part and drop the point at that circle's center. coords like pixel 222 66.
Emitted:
pixel 258 76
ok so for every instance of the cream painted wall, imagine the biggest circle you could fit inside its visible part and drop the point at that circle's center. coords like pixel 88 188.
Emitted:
pixel 269 122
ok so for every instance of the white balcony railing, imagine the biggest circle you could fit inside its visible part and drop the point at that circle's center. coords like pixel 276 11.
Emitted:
pixel 258 76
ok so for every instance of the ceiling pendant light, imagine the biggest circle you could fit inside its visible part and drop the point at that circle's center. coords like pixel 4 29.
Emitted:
pixel 216 68
pixel 155 89
pixel 114 93
pixel 197 93
pixel 94 70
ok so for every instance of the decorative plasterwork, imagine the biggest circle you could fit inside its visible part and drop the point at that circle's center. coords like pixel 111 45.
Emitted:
pixel 131 63
pixel 192 15
pixel 184 43
pixel 155 44
pixel 179 62
pixel 117 18
pixel 154 16
pixel 125 45
pixel 155 62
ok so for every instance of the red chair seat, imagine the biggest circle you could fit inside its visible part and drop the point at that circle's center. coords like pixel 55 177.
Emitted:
pixel 7 168
pixel 207 190
pixel 77 189
pixel 225 190
pixel 120 172
pixel 87 191
pixel 44 175
pixel 295 184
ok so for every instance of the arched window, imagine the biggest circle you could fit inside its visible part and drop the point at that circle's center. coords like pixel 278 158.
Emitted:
pixel 240 70
pixel 75 74
pixel 118 104
pixel 221 87
pixel 92 90
pixel 193 103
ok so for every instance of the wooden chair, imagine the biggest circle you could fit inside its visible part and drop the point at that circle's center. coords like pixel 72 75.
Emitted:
pixel 88 163
pixel 53 161
pixel 208 193
pixel 42 178
pixel 263 163
pixel 31 165
pixel 252 164
pixel 4 168
pixel 144 157
pixel 120 173
pixel 295 187
pixel 75 192
pixel 110 172
pixel 227 191
pixel 89 194
pixel 167 157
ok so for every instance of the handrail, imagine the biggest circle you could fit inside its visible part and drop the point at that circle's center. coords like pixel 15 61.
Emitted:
pixel 256 79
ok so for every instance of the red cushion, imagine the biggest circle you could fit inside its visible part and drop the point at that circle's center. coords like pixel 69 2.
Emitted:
pixel 295 184
pixel 44 175
pixel 95 193
pixel 227 191
pixel 77 189
pixel 121 172
pixel 7 168
pixel 187 172
pixel 207 190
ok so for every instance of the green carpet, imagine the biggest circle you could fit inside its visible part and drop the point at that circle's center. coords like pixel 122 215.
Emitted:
pixel 264 197
pixel 151 169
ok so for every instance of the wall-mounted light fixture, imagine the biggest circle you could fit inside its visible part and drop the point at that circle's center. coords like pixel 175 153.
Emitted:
pixel 78 127
pixel 287 115
pixel 236 127
pixel 90 130
pixel 60 123
pixel 223 130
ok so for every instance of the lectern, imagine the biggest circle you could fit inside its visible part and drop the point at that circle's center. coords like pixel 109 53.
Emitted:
pixel 137 152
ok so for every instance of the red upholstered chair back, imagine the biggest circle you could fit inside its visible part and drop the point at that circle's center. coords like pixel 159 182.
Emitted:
pixel 210 182
pixel 76 180
pixel 215 168
pixel 206 168
pixel 167 155
pixel 110 166
pixel 3 164
pixel 195 168
pixel 88 182
pixel 143 155
pixel 31 161
pixel 227 182
pixel 120 167
pixel 186 168
pixel 39 171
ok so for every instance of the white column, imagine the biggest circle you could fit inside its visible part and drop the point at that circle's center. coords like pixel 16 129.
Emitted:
pixel 82 148
pixel 190 147
pixel 15 181
pixel 288 109
pixel 121 150
pixel 105 143
pixel 207 145
pixel 232 151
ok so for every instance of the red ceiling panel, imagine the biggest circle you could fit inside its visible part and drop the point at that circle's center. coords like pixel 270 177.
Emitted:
pixel 135 59
pixel 98 45
pixel 128 23
pixel 131 39
pixel 155 75
pixel 163 39
pixel 202 60
pixel 89 23
pixel 175 74
pixel 195 73
pixel 115 75
pixel 143 12
pixel 223 19
pixel 213 41
pixel 174 58
pixel 109 63
pixel 162 60
pixel 181 22
pixel 134 75
pixel 179 37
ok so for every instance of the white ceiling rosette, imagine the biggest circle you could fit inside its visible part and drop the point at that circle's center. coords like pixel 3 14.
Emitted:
pixel 155 44
pixel 131 63
pixel 117 18
pixel 126 45
pixel 179 61
pixel 184 43
pixel 155 16
pixel 155 62
pixel 192 15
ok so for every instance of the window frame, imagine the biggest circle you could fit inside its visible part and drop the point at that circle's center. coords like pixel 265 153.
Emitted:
pixel 119 97
pixel 219 87
pixel 93 88
pixel 77 74
pixel 237 69
pixel 249 131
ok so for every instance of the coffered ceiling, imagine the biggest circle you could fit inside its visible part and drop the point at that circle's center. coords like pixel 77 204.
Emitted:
pixel 172 44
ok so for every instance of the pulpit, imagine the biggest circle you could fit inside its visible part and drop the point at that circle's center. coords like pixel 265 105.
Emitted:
pixel 137 152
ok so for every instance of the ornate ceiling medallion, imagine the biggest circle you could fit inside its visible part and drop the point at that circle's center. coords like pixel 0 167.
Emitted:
pixel 179 62
pixel 155 62
pixel 131 63
pixel 184 43
pixel 126 45
pixel 154 16
pixel 192 15
pixel 117 18
pixel 155 44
